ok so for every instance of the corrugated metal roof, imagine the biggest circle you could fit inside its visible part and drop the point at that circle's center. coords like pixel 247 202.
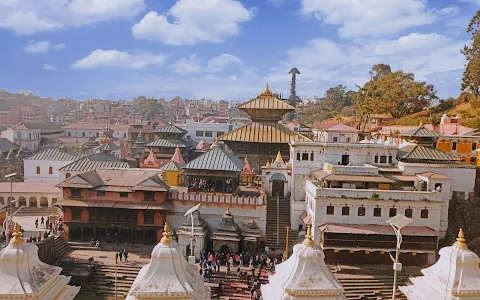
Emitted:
pixel 107 147
pixel 324 175
pixel 171 166
pixel 170 128
pixel 95 161
pixel 342 128
pixel 216 160
pixel 264 133
pixel 56 155
pixel 167 143
pixel 421 131
pixel 418 153
pixel 266 102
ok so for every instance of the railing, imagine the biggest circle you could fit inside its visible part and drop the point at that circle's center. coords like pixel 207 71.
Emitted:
pixel 217 198
pixel 373 194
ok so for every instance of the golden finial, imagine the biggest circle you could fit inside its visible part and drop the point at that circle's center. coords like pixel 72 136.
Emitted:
pixel 279 158
pixel 266 91
pixel 461 242
pixel 166 240
pixel 268 164
pixel 17 236
pixel 177 150
pixel 308 241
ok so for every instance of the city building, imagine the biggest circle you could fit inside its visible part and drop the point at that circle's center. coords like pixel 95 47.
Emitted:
pixel 211 128
pixel 338 133
pixel 39 195
pixel 134 204
pixel 85 130
pixel 170 138
pixel 21 134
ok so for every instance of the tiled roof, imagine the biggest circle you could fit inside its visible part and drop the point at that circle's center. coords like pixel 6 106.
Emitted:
pixel 56 155
pixel 418 153
pixel 144 205
pixel 171 129
pixel 218 160
pixel 27 187
pixel 107 147
pixel 266 102
pixel 342 128
pixel 167 143
pixel 421 131
pixel 95 161
pixel 263 133
pixel 171 166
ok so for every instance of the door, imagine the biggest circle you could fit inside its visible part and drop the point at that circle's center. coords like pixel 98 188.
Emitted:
pixel 278 184
pixel 345 159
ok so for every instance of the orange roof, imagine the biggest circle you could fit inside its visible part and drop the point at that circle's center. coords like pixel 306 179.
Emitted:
pixel 151 161
pixel 203 145
pixel 263 133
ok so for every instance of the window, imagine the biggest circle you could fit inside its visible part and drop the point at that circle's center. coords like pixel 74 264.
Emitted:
pixel 100 193
pixel 38 170
pixel 312 156
pixel 68 175
pixel 83 134
pixel 298 156
pixel 230 127
pixel 472 160
pixel 123 195
pixel 392 212
pixel 69 133
pixel 199 133
pixel 304 156
pixel 361 211
pixel 76 213
pixel 454 146
pixel 148 196
pixel 76 193
pixel 330 210
pixel 148 217
pixel 376 159
pixel 438 186
pixel 424 213
pixel 345 211
pixel 474 146
pixel 208 134
pixel 50 170
pixel 383 159
pixel 220 133
pixel 377 212
pixel 408 212
pixel 349 140
pixel 335 139
pixel 390 159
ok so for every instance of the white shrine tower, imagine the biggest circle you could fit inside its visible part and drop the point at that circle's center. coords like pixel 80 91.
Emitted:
pixel 303 276
pixel 455 276
pixel 24 276
pixel 168 275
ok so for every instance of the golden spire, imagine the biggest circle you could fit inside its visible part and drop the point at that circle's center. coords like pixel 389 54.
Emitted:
pixel 177 150
pixel 266 91
pixel 166 240
pixel 268 164
pixel 279 158
pixel 246 158
pixel 461 242
pixel 308 241
pixel 17 236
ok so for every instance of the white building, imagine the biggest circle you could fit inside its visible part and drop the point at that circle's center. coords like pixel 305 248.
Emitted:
pixel 82 130
pixel 30 194
pixel 339 133
pixel 20 134
pixel 211 129
pixel 456 275
pixel 168 275
pixel 24 276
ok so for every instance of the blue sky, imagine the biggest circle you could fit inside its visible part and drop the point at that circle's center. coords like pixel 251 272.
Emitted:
pixel 225 49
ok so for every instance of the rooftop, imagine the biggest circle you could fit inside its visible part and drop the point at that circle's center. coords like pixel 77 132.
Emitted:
pixel 56 154
pixel 263 133
pixel 170 128
pixel 419 154
pixel 27 187
pixel 216 159
pixel 95 161
pixel 167 143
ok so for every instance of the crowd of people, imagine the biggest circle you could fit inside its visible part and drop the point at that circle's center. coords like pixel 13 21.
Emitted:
pixel 122 255
pixel 205 186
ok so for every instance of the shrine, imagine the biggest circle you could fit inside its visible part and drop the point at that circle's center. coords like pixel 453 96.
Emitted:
pixel 251 234
pixel 227 236
pixel 200 230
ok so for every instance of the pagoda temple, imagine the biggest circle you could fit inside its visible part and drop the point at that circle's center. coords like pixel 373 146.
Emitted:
pixel 265 136
pixel 456 275
pixel 24 276
pixel 151 162
pixel 168 275
pixel 251 234
pixel 304 275
pixel 200 231
pixel 227 236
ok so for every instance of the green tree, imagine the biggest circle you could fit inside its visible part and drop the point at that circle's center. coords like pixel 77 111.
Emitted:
pixel 471 75
pixel 150 108
pixel 332 104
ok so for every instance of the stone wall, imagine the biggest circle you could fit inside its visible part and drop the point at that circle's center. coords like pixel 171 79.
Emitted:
pixel 45 250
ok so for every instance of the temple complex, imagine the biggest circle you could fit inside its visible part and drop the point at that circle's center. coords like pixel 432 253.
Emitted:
pixel 265 136
pixel 200 231
pixel 456 275
pixel 227 236
pixel 304 275
pixel 172 171
pixel 24 276
pixel 168 275
pixel 170 138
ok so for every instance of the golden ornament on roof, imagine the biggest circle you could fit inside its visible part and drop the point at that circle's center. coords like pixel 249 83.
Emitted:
pixel 308 241
pixel 166 240
pixel 267 91
pixel 17 236
pixel 461 242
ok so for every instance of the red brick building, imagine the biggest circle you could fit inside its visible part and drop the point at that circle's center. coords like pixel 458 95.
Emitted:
pixel 123 205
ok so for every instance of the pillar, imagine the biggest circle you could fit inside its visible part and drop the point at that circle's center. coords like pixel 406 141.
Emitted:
pixel 70 230
pixel 431 258
pixel 144 236
pixel 49 202
pixel 81 233
pixel 38 203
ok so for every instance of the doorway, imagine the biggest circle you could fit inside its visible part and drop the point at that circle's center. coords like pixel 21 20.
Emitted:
pixel 278 185
pixel 345 159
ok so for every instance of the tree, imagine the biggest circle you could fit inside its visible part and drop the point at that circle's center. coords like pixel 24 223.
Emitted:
pixel 471 75
pixel 150 108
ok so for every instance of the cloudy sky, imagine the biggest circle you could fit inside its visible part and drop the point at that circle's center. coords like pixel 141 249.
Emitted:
pixel 225 49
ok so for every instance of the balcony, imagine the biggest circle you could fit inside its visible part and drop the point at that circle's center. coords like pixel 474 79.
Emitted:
pixel 374 194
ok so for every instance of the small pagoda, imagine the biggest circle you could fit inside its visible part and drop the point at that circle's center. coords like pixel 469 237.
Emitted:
pixel 201 147
pixel 184 233
pixel 248 173
pixel 251 234
pixel 139 146
pixel 24 276
pixel 151 162
pixel 227 236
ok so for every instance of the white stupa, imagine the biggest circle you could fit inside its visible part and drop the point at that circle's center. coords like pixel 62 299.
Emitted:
pixel 455 276
pixel 303 275
pixel 24 276
pixel 168 275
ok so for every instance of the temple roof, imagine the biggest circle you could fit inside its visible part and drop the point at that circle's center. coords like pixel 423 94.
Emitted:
pixel 58 154
pixel 107 147
pixel 264 133
pixel 178 158
pixel 247 169
pixel 139 141
pixel 151 161
pixel 171 166
pixel 228 223
pixel 170 128
pixel 95 161
pixel 421 131
pixel 251 229
pixel 216 159
pixel 167 143
pixel 419 154
pixel 202 145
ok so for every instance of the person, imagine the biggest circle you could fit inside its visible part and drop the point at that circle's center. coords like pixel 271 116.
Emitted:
pixel 36 223
pixel 228 266
pixel 120 255
pixel 125 254
pixel 97 244
pixel 116 257
pixel 47 222
pixel 42 221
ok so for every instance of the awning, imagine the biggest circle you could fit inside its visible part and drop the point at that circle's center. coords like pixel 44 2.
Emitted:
pixel 376 229
pixel 324 175
pixel 114 204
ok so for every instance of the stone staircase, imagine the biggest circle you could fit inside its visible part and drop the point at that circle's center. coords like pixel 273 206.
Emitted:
pixel 232 287
pixel 366 287
pixel 38 211
pixel 60 247
pixel 283 221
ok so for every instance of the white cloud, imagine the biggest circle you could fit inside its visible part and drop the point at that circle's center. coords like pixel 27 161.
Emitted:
pixel 117 59
pixel 37 47
pixel 223 61
pixel 29 17
pixel 49 67
pixel 195 21
pixel 187 65
pixel 277 3
pixel 59 47
pixel 369 17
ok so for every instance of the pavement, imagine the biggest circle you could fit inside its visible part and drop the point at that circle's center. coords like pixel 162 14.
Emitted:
pixel 28 225
pixel 108 257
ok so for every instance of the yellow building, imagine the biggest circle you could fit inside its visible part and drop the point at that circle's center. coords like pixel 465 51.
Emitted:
pixel 173 173
pixel 465 147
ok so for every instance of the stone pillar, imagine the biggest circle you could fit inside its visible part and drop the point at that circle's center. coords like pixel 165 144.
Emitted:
pixel 38 203
pixel 49 202
pixel 81 234
pixel 432 258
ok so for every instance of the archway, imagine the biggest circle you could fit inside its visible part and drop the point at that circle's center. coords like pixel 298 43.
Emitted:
pixel 43 202
pixel 32 202
pixel 224 249
pixel 22 201
pixel 278 184
pixel 10 199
